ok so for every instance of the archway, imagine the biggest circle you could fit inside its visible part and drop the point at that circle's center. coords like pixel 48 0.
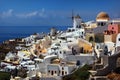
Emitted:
pixel 52 72
pixel 91 39
pixel 62 72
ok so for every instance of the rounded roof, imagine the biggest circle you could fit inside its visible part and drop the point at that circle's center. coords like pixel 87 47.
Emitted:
pixel 102 15
pixel 50 56
pixel 56 60
pixel 77 16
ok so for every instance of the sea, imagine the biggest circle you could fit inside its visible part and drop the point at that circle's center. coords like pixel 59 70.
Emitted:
pixel 11 32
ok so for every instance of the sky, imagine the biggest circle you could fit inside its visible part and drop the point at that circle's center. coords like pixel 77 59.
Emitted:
pixel 53 12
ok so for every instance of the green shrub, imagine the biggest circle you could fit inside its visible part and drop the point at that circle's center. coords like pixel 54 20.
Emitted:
pixel 81 74
pixel 99 38
pixel 5 75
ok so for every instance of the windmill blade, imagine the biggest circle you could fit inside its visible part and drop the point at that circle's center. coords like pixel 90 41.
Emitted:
pixel 71 16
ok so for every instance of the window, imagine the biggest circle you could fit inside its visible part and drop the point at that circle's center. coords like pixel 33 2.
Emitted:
pixel 55 71
pixel 59 71
pixel 79 26
pixel 69 30
pixel 38 47
pixel 81 36
pixel 62 68
pixel 49 71
pixel 73 30
pixel 62 72
pixel 82 33
pixel 119 39
pixel 65 72
pixel 55 53
pixel 102 24
pixel 97 47
pixel 98 24
pixel 52 73
pixel 112 27
pixel 60 52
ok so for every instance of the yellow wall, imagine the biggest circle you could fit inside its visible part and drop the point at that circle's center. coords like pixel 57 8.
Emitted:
pixel 87 47
pixel 110 38
pixel 88 35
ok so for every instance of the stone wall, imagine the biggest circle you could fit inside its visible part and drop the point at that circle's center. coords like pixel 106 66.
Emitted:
pixel 110 38
pixel 84 59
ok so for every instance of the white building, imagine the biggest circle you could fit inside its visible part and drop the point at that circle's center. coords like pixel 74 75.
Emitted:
pixel 115 21
pixel 29 40
pixel 118 42
pixel 10 56
pixel 60 69
pixel 77 30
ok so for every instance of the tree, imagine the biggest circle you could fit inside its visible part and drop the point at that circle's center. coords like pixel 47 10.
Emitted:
pixel 99 38
pixel 4 75
pixel 2 57
pixel 14 72
pixel 81 74
pixel 22 72
pixel 41 56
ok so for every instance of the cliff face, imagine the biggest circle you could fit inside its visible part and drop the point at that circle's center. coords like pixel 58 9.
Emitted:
pixel 113 76
pixel 109 64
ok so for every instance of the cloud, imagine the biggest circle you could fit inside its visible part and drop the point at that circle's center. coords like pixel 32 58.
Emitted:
pixel 6 13
pixel 27 15
pixel 42 13
pixel 34 17
pixel 38 13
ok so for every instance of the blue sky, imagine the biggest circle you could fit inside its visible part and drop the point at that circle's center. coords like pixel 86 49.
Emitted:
pixel 53 12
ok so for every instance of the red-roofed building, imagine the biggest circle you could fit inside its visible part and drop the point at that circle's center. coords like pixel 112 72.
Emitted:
pixel 111 33
pixel 113 29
